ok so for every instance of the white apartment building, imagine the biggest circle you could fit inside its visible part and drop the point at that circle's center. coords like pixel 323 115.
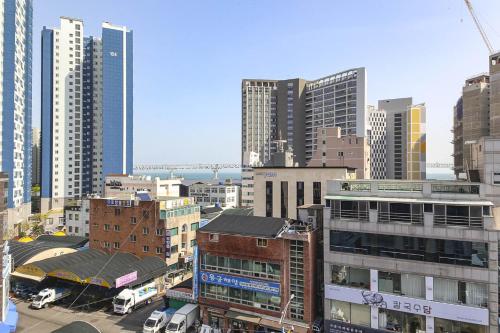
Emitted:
pixel 121 186
pixel 378 142
pixel 250 160
pixel 206 194
pixel 77 217
pixel 410 256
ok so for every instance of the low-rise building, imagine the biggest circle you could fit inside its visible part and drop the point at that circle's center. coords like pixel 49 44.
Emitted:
pixel 278 192
pixel 164 227
pixel 77 217
pixel 410 256
pixel 253 271
pixel 124 186
pixel 210 194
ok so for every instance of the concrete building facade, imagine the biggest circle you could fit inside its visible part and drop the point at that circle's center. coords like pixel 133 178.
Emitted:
pixel 410 256
pixel 35 156
pixel 279 259
pixel 335 150
pixel 16 38
pixel 377 134
pixel 126 186
pixel 494 94
pixel 77 218
pixel 279 192
pixel 225 195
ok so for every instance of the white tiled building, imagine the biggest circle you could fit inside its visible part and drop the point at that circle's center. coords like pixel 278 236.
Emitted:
pixel 76 217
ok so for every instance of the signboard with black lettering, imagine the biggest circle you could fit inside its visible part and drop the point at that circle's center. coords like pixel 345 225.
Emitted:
pixel 167 243
pixel 119 203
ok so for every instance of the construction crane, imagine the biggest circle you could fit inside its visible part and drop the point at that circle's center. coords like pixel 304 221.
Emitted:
pixel 479 26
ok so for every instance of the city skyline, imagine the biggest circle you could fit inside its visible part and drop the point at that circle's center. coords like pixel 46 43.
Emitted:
pixel 185 54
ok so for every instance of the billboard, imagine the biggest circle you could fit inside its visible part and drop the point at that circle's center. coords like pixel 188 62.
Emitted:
pixel 126 279
pixel 262 286
pixel 196 279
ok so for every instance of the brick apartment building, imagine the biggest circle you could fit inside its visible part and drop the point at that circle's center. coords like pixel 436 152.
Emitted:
pixel 140 227
pixel 249 268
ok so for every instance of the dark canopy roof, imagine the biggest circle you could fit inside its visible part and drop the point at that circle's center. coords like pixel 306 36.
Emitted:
pixel 77 327
pixel 256 226
pixel 22 252
pixel 89 263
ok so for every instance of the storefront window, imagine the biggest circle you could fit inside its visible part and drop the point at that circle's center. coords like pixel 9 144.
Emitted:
pixel 239 296
pixel 402 284
pixel 401 321
pixel 215 322
pixel 239 326
pixel 444 326
pixel 460 292
pixel 358 314
pixel 350 276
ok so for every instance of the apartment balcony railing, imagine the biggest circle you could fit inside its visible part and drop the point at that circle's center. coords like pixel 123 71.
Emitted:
pixel 360 215
pixel 458 221
pixel 394 217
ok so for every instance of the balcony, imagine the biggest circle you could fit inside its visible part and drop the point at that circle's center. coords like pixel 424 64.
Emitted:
pixel 458 216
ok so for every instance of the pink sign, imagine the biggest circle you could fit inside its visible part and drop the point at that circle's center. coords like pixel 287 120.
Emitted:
pixel 126 279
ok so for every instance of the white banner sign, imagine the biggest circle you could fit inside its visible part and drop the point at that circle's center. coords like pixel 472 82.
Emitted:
pixel 422 307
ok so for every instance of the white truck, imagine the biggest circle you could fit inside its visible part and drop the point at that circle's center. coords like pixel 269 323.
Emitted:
pixel 158 320
pixel 183 319
pixel 129 299
pixel 49 295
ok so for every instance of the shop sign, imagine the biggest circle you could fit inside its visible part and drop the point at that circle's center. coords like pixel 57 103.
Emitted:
pixel 195 273
pixel 181 295
pixel 272 288
pixel 337 326
pixel 468 314
pixel 167 244
pixel 126 279
pixel 119 203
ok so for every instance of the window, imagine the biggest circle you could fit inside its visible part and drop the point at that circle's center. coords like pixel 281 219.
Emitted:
pixel 133 238
pixel 145 248
pixel 159 232
pixel 194 226
pixel 107 245
pixel 145 230
pixel 402 284
pixel 350 276
pixel 460 292
pixel 183 245
pixel 174 249
pixel 133 220
pixel 106 227
pixel 443 325
pixel 77 229
pixel 117 211
pixel 261 242
pixel 269 199
pixel 213 237
pixel 400 321
pixel 174 231
pixel 70 228
pixel 159 250
pixel 284 199
pixel 463 253
pixel 193 242
pixel 317 193
pixel 116 245
pixel 184 228
pixel 300 194
pixel 358 314
pixel 145 214
pixel 117 227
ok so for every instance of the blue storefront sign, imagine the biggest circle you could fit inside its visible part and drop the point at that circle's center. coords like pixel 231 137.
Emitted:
pixel 272 288
pixel 196 281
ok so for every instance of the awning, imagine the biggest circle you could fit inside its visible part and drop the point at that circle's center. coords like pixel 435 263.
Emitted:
pixel 28 276
pixel 243 317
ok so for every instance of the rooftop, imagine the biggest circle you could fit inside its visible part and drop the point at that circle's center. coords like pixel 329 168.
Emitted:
pixel 253 226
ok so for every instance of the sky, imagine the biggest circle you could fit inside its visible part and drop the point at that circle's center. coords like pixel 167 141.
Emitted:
pixel 190 58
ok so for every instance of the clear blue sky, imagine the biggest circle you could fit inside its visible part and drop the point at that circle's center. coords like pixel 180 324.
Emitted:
pixel 190 57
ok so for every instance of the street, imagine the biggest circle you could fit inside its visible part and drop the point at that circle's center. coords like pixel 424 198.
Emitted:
pixel 49 319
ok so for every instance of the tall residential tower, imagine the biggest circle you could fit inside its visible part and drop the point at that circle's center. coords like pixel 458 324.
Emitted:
pixel 86 109
pixel 16 20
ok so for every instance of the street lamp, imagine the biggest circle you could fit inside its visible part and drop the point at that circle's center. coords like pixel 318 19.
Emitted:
pixel 283 313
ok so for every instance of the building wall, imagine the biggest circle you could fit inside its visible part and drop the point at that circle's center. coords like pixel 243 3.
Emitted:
pixel 123 186
pixel 292 175
pixel 97 116
pixel 334 150
pixel 378 143
pixel 206 194
pixel 336 100
pixel 118 100
pixel 458 139
pixel 35 155
pixel 15 105
pixel 495 94
pixel 416 143
pixel 277 251
pixel 77 218
pixel 153 215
